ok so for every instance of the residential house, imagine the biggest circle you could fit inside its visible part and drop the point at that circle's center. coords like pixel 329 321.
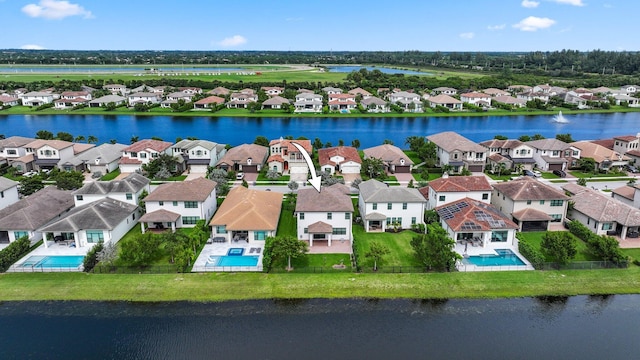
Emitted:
pixel 375 105
pixel 240 100
pixel 275 102
pixel 553 154
pixel 531 95
pixel 342 159
pixel 248 158
pixel 198 155
pixel 142 152
pixel 601 213
pixel 190 90
pixel 573 98
pixel 331 90
pixel 26 216
pixel 493 92
pixel 445 101
pixel 476 98
pixel 544 88
pixel 8 192
pixel 627 194
pixel 106 220
pixel 395 160
pixel 219 91
pixel 272 90
pixel 510 100
pixel 179 204
pixel 602 90
pixel 630 89
pixel 117 100
pixel 444 90
pixel 308 102
pixel 532 204
pixel 8 100
pixel 128 190
pixel 175 97
pixel 47 154
pixel 247 215
pixel 101 159
pixel 448 189
pixel 62 104
pixel 286 158
pixel 146 88
pixel 304 91
pixel 383 207
pixel 458 152
pixel 71 95
pixel 325 216
pixel 604 158
pixel 116 89
pixel 37 98
pixel 514 89
pixel 514 154
pixel 147 98
pixel 13 148
pixel 360 91
pixel 339 102
pixel 624 144
pixel 208 103
pixel 621 99
pixel 478 224
pixel 410 102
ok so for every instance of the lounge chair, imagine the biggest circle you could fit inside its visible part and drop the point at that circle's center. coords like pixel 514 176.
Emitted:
pixel 258 250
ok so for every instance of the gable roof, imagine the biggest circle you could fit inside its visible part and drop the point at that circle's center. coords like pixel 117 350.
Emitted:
pixel 472 215
pixel 347 152
pixel 241 153
pixel 56 144
pixel 375 191
pixel 6 184
pixel 133 183
pixel 602 208
pixel 526 188
pixel 210 99
pixel 103 214
pixel 276 100
pixel 333 198
pixel 444 99
pixel 246 209
pixel 549 144
pixel 284 143
pixel 502 144
pixel 198 189
pixel 451 141
pixel 388 153
pixel 626 191
pixel 190 144
pixel 460 184
pixel 145 144
pixel 597 152
pixel 15 142
pixel 36 210
pixel 104 153
pixel 373 100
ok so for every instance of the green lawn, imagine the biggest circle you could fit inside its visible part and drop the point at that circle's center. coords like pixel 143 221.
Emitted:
pixel 262 177
pixel 315 261
pixel 413 156
pixel 633 253
pixel 535 239
pixel 110 176
pixel 401 253
pixel 549 175
pixel 287 223
pixel 580 174
pixel 506 177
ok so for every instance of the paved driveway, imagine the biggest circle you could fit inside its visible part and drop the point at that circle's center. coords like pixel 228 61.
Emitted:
pixel 404 178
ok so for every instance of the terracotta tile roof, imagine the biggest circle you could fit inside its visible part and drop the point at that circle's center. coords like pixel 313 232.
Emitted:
pixel 15 141
pixel 388 153
pixel 80 147
pixel 198 189
pixel 160 215
pixel 246 209
pixel 360 91
pixel 608 143
pixel 210 99
pixel 471 215
pixel 602 208
pixel 36 210
pixel 145 144
pixel 502 144
pixel 220 91
pixel 635 153
pixel 342 96
pixel 626 191
pixel 526 188
pixel 460 184
pixel 126 160
pixel 338 102
pixel 451 141
pixel 276 158
pixel 284 143
pixel 597 152
pixel 444 99
pixel 276 100
pixel 240 154
pixel 332 198
pixel 627 138
pixel 531 215
pixel 347 152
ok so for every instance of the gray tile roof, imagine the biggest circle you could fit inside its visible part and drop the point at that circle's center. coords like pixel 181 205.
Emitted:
pixel 15 141
pixel 242 153
pixel 36 210
pixel 6 184
pixel 107 99
pixel 131 184
pixel 375 191
pixel 602 208
pixel 332 198
pixel 103 214
pixel 451 141
pixel 104 153
pixel 198 189
pixel 190 144
pixel 529 189
pixel 548 144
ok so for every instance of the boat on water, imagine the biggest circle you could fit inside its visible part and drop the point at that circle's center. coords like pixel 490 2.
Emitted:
pixel 559 118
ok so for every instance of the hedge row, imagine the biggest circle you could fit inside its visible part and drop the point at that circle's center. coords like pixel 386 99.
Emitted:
pixel 605 247
pixel 14 252
pixel 535 256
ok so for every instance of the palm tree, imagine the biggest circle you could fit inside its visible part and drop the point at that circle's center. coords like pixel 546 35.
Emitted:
pixel 92 139
pixel 134 139
pixel 80 138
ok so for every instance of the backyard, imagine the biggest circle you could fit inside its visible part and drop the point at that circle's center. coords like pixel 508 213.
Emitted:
pixel 400 251
pixel 535 239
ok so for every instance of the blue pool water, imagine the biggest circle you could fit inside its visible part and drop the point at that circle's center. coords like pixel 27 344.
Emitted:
pixel 233 261
pixel 505 257
pixel 235 252
pixel 68 261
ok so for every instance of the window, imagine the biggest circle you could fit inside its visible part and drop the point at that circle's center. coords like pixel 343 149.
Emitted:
pixel 190 220
pixel 541 202
pixel 259 235
pixel 556 202
pixel 528 202
pixel 499 236
pixel 79 197
pixel 143 155
pixel 11 152
pixel 306 230
pixel 129 196
pixel 199 153
pixel 441 198
pixel 175 203
pixel 375 206
pixel 94 236
pixel 191 204
pixel 485 196
pixel 556 217
pixel 413 220
pixel 347 216
pixel 1 194
pixel 329 216
pixel 607 226
pixel 20 234
pixel 389 206
pixel 339 231
pixel 301 216
pixel 161 203
pixel 221 229
pixel 134 154
pixel 404 206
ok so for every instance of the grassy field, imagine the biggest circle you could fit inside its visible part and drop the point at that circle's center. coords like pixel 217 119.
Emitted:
pixel 401 253
pixel 324 261
pixel 287 223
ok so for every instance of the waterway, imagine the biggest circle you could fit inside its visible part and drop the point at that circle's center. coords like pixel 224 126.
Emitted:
pixel 384 70
pixel 581 327
pixel 369 131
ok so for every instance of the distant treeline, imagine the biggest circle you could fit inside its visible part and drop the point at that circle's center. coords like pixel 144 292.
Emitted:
pixel 565 63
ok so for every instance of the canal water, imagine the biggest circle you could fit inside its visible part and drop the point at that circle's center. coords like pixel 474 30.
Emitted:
pixel 581 327
pixel 369 131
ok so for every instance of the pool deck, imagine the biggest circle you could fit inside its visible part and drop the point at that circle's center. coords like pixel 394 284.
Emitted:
pixel 478 250
pixel 218 249
pixel 53 250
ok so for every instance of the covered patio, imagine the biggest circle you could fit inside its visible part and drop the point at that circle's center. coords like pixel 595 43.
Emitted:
pixel 320 232
pixel 158 220
pixel 375 222
pixel 531 220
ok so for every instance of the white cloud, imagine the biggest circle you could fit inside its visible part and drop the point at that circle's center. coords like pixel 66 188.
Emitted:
pixel 570 2
pixel 31 47
pixel 530 4
pixel 56 10
pixel 533 23
pixel 467 35
pixel 235 40
pixel 496 27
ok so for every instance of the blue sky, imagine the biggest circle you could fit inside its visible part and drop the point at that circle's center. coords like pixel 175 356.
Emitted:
pixel 427 25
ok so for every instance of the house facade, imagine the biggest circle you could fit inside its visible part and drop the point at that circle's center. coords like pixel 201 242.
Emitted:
pixel 37 98
pixel 445 101
pixel 515 154
pixel 248 158
pixel 8 192
pixel 102 158
pixel 375 105
pixel 383 207
pixel 410 102
pixel 308 102
pixel 341 159
pixel 198 155
pixel 128 190
pixel 458 152
pixel 325 216
pixel 395 160
pixel 453 188
pixel 142 152
pixel 338 102
pixel 286 158
pixel 553 154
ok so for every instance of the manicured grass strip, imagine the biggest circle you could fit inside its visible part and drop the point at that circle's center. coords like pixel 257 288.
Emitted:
pixel 287 223
pixel 580 174
pixel 399 244
pixel 110 176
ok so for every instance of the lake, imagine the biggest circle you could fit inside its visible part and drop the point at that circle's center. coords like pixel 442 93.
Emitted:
pixel 369 131
pixel 385 70
pixel 581 327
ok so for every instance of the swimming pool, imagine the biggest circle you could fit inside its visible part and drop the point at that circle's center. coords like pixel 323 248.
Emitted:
pixel 51 262
pixel 232 261
pixel 505 257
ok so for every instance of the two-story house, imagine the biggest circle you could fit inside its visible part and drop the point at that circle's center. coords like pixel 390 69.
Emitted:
pixel 375 105
pixel 286 158
pixel 514 154
pixel 338 102
pixel 531 204
pixel 248 158
pixel 101 159
pixel 360 91
pixel 8 192
pixel 308 102
pixel 69 99
pixel 175 97
pixel 325 216
pixel 624 144
pixel 117 89
pixel 458 152
pixel 445 101
pixel 142 152
pixel 272 90
pixel 198 155
pixel 453 188
pixel 47 154
pixel 342 159
pixel 129 190
pixel 444 90
pixel 179 204
pixel 13 148
pixel 240 100
pixel 383 207
pixel 330 90
pixel 605 159
pixel 37 98
pixel 410 102
pixel 553 154
pixel 395 160
pixel 476 98
pixel 147 98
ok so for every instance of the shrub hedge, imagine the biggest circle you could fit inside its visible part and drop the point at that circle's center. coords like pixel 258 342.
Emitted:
pixel 14 252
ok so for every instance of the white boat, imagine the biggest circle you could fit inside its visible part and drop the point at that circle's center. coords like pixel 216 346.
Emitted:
pixel 559 118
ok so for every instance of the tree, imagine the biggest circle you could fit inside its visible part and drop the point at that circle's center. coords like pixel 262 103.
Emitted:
pixel 79 138
pixel 501 137
pixel 435 248
pixel 560 245
pixel 113 141
pixel 221 179
pixel 160 167
pixel 355 143
pixel 317 143
pixel 373 168
pixel 415 142
pixel 29 185
pixel 289 247
pixel 565 138
pixel 582 182
pixel 140 250
pixel 524 138
pixel 64 136
pixel 605 247
pixel 537 137
pixel 387 141
pixel 110 106
pixel 253 106
pixel 134 139
pixel 261 140
pixel 587 165
pixel 108 253
pixel 69 180
pixel 293 186
pixel 272 174
pixel 376 253
pixel 92 139
pixel 44 135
